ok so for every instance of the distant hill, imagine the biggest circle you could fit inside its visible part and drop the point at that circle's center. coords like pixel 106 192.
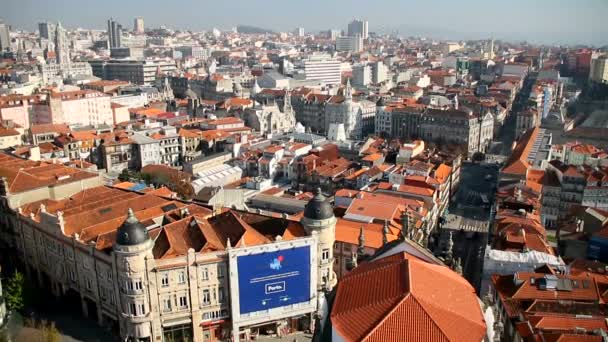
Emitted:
pixel 252 29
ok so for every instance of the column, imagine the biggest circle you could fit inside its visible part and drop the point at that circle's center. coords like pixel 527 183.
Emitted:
pixel 85 307
pixel 99 315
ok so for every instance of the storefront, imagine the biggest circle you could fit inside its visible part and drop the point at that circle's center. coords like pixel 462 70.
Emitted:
pixel 216 330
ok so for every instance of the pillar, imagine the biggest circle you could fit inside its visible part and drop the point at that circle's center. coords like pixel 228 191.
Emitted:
pixel 99 315
pixel 85 307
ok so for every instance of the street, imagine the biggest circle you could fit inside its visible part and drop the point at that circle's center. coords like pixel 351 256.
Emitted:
pixel 471 208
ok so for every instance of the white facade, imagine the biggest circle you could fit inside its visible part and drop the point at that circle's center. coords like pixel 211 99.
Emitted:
pixel 323 68
pixel 362 75
pixel 599 69
pixel 379 72
pixel 138 25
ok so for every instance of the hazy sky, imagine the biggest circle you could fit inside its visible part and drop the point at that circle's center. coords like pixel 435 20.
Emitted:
pixel 549 21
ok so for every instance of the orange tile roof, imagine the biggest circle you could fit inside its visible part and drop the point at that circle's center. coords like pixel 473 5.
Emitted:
pixel 518 162
pixel 402 298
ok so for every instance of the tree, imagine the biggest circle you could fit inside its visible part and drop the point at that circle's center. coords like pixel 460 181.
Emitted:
pixel 124 175
pixel 14 292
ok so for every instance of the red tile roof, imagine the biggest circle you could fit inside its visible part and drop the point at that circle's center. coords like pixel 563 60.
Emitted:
pixel 402 298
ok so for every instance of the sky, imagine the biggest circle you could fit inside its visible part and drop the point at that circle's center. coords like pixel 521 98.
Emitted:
pixel 539 21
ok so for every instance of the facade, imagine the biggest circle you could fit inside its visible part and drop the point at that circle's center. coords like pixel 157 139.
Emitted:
pixel 157 269
pixel 358 118
pixel 599 69
pixel 145 151
pixel 141 72
pixel 62 49
pixel 379 72
pixel 462 127
pixel 362 75
pixel 270 119
pixel 9 137
pixel 81 107
pixel 114 34
pixel 349 44
pixel 310 110
pixel 47 31
pixel 138 25
pixel 359 27
pixel 5 38
pixel 323 68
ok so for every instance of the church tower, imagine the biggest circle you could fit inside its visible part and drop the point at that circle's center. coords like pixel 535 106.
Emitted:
pixel 132 249
pixel 62 51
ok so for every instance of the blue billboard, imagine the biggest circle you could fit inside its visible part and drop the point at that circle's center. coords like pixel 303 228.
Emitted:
pixel 273 279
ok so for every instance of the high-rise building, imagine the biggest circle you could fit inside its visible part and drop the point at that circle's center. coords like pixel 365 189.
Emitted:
pixel 599 69
pixel 299 32
pixel 323 68
pixel 358 27
pixel 5 38
pixel 333 34
pixel 138 25
pixel 362 75
pixel 349 44
pixel 47 30
pixel 379 72
pixel 114 34
pixel 62 51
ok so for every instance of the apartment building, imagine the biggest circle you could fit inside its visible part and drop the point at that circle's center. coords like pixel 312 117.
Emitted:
pixel 158 269
pixel 471 130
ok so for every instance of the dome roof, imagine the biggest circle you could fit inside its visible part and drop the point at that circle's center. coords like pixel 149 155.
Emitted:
pixel 131 232
pixel 318 208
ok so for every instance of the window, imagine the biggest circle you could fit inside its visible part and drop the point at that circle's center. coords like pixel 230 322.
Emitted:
pixel 139 285
pixel 89 284
pixel 220 293
pixel 167 304
pixel 142 309
pixel 206 297
pixel 181 278
pixel 325 255
pixel 110 275
pixel 164 280
pixel 220 271
pixel 182 302
pixel 205 274
pixel 133 309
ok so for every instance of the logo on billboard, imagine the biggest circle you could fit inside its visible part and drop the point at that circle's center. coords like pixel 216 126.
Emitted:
pixel 276 263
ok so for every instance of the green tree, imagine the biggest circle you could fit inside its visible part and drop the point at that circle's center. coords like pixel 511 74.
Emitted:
pixel 14 292
pixel 124 175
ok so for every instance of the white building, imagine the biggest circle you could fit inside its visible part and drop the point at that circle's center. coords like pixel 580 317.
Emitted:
pixel 357 117
pixel 362 75
pixel 323 68
pixel 145 151
pixel 599 69
pixel 138 25
pixel 379 72
pixel 349 44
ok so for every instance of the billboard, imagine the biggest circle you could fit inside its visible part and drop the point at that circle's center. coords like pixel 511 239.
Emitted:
pixel 274 279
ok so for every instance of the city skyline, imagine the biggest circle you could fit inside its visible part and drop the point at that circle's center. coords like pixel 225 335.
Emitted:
pixel 547 22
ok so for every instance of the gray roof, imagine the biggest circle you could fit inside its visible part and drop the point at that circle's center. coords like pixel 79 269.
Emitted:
pixel 131 232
